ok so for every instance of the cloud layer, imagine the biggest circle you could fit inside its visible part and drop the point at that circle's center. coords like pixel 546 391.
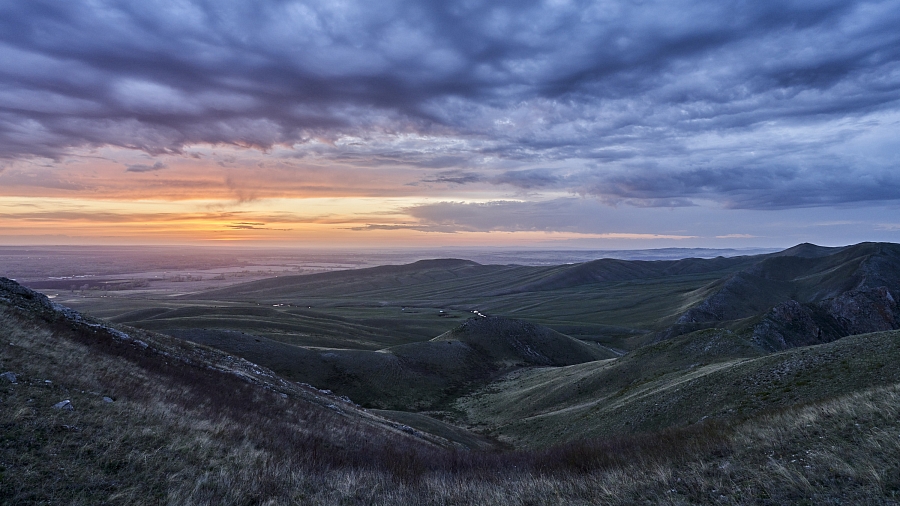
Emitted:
pixel 754 105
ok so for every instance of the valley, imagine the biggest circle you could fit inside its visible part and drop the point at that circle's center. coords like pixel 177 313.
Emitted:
pixel 590 364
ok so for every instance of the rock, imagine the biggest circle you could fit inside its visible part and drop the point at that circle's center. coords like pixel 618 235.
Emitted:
pixel 862 311
pixel 66 405
pixel 22 294
pixel 788 325
pixel 9 376
pixel 108 399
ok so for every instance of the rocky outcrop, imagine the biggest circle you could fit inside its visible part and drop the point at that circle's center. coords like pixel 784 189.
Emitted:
pixel 862 311
pixel 788 325
pixel 803 296
pixel 12 292
pixel 740 295
pixel 791 324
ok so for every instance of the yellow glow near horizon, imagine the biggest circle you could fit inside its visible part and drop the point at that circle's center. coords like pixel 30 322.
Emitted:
pixel 322 220
pixel 235 195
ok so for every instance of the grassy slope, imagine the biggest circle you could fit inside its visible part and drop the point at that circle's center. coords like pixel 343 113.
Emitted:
pixel 190 425
pixel 167 441
pixel 360 328
pixel 387 306
pixel 676 383
pixel 180 412
pixel 413 376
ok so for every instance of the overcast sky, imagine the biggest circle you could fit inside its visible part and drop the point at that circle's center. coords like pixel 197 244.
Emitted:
pixel 610 123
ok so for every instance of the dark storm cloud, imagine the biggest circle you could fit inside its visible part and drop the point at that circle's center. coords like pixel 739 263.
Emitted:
pixel 605 87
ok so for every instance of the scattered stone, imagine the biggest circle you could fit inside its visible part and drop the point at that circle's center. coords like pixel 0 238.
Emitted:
pixel 9 376
pixel 66 405
pixel 108 399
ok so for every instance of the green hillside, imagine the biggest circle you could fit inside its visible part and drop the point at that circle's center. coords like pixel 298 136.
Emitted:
pixel 709 375
pixel 414 376
pixel 514 412
pixel 385 306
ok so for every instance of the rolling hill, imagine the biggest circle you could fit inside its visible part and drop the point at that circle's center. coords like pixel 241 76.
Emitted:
pixel 414 376
pixel 607 301
pixel 352 331
pixel 709 405
pixel 811 297
pixel 706 376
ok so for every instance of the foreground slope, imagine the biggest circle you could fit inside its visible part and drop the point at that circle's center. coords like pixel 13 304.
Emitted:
pixel 92 407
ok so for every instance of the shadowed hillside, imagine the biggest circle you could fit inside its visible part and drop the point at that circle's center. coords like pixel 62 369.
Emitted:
pixel 814 296
pixel 710 375
pixel 613 270
pixel 521 343
pixel 413 376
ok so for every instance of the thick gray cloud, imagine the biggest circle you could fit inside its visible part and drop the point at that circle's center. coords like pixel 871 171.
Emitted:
pixel 454 176
pixel 571 215
pixel 528 179
pixel 696 225
pixel 139 167
pixel 657 103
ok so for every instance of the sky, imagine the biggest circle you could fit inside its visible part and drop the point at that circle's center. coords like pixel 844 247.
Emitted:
pixel 554 124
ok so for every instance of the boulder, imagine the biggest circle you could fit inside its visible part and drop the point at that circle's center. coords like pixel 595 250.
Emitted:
pixel 64 405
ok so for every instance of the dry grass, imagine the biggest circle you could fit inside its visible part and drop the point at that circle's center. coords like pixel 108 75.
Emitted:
pixel 189 433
